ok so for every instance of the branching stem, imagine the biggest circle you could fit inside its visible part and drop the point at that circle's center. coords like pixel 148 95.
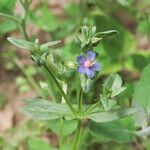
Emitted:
pixel 60 89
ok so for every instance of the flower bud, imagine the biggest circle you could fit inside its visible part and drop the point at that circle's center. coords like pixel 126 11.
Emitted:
pixel 70 65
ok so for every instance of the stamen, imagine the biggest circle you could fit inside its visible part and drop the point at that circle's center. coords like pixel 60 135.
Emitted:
pixel 88 63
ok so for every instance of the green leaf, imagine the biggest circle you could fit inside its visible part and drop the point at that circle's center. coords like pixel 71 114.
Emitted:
pixel 107 33
pixel 69 126
pixel 85 32
pixel 78 41
pixel 85 83
pixel 93 30
pixel 144 132
pixel 112 84
pixel 7 26
pixel 21 43
pixel 142 90
pixel 9 17
pixel 111 115
pixel 140 56
pixel 49 44
pixel 45 110
pixel 141 117
pixel 70 65
pixel 117 91
pixel 95 41
pixel 7 6
pixel 117 82
pixel 114 131
pixel 107 103
pixel 38 144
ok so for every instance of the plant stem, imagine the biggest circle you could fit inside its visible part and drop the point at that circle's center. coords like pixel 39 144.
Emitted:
pixel 77 135
pixel 50 86
pixel 61 133
pixel 64 87
pixel 10 17
pixel 60 89
pixel 79 94
pixel 23 30
pixel 89 109
pixel 20 23
pixel 80 99
pixel 25 5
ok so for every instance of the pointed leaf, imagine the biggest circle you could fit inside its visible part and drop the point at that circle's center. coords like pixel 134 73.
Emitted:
pixel 142 90
pixel 45 110
pixel 85 83
pixel 117 82
pixel 49 44
pixel 114 131
pixel 112 83
pixel 141 117
pixel 117 91
pixel 85 32
pixel 21 43
pixel 93 30
pixel 111 115
pixel 144 132
pixel 107 33
pixel 78 41
pixel 107 103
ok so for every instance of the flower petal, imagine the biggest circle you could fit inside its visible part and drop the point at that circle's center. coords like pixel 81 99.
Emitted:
pixel 91 55
pixel 96 66
pixel 80 59
pixel 90 73
pixel 81 69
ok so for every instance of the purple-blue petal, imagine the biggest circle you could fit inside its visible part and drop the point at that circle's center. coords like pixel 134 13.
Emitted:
pixel 81 69
pixel 80 59
pixel 90 73
pixel 96 66
pixel 91 55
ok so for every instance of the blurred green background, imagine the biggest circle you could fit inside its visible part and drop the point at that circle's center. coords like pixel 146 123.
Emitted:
pixel 126 53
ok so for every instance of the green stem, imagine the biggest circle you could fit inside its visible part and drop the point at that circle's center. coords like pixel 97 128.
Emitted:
pixel 79 94
pixel 50 85
pixel 61 133
pixel 83 7
pixel 77 135
pixel 21 24
pixel 10 17
pixel 80 99
pixel 25 4
pixel 64 87
pixel 60 89
pixel 89 109
pixel 18 23
pixel 23 29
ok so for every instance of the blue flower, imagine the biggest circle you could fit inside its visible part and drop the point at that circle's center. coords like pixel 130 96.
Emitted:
pixel 87 65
